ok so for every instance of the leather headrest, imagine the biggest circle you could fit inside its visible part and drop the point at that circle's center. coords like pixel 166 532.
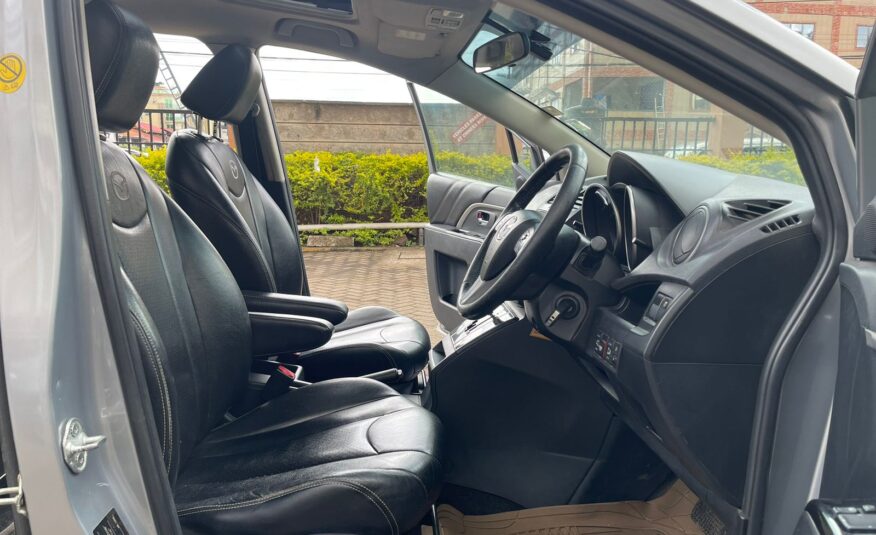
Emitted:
pixel 226 87
pixel 124 62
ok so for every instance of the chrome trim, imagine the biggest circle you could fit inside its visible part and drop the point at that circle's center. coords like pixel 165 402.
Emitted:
pixel 605 194
pixel 630 247
pixel 870 338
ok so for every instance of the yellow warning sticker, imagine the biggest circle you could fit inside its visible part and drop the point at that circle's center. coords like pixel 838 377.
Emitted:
pixel 12 73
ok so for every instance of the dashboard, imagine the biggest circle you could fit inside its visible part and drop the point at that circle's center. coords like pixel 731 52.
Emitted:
pixel 701 268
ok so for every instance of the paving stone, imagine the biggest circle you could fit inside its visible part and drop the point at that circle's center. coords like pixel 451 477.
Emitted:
pixel 393 277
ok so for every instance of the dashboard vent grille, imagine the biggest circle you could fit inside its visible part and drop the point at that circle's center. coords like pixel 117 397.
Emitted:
pixel 781 224
pixel 749 210
pixel 579 201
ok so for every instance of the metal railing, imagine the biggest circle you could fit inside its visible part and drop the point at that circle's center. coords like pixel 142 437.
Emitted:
pixel 757 142
pixel 155 127
pixel 672 136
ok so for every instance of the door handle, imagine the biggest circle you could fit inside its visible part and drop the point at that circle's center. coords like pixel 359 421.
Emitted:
pixel 483 217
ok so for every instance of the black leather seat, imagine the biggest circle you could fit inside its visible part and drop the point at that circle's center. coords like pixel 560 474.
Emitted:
pixel 212 184
pixel 341 456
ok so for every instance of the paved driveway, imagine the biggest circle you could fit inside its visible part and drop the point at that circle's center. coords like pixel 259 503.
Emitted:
pixel 394 277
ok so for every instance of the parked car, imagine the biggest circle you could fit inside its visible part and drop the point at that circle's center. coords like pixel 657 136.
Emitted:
pixel 634 343
pixel 750 145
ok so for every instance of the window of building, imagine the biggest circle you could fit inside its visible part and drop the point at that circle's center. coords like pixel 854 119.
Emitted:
pixel 698 103
pixel 806 29
pixel 863 36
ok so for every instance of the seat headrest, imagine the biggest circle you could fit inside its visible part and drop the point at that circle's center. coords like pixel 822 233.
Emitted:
pixel 226 87
pixel 124 63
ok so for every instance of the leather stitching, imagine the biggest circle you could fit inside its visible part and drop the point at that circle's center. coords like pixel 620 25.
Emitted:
pixel 166 414
pixel 369 494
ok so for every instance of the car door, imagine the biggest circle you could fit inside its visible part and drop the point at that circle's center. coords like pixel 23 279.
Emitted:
pixel 847 494
pixel 475 165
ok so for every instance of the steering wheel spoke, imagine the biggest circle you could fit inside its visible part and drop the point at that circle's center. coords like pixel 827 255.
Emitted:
pixel 522 238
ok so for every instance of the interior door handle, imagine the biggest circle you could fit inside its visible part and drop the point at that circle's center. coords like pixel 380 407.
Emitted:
pixel 483 217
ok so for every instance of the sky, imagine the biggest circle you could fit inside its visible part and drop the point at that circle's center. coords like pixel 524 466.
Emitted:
pixel 294 74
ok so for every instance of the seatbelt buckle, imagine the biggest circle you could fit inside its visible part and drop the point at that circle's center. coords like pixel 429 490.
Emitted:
pixel 282 379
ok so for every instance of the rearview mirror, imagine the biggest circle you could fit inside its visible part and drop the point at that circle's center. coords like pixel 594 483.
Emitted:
pixel 501 52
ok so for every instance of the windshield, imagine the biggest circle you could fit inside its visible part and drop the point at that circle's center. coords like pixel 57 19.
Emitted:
pixel 618 104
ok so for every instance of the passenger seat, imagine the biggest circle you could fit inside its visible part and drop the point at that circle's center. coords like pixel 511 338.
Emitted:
pixel 342 456
pixel 216 189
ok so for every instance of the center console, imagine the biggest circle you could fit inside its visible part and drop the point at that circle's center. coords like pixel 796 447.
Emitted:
pixel 471 332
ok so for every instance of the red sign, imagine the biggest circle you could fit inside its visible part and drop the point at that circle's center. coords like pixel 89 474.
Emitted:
pixel 468 127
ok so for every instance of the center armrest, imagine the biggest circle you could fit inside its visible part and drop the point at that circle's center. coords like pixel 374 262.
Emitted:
pixel 296 305
pixel 276 334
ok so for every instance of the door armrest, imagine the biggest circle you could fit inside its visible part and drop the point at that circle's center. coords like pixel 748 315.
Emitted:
pixel 276 334
pixel 296 305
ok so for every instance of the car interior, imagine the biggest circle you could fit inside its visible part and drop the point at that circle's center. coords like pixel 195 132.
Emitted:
pixel 607 321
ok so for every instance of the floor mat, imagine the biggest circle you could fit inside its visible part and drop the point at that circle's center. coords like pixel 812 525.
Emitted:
pixel 667 515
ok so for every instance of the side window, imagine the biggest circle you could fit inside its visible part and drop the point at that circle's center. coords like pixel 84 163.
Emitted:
pixel 467 143
pixel 352 145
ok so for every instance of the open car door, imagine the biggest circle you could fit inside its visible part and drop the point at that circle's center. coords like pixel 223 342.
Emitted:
pixel 474 166
pixel 847 495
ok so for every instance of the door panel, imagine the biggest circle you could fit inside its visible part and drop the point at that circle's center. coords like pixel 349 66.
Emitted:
pixel 849 469
pixel 461 212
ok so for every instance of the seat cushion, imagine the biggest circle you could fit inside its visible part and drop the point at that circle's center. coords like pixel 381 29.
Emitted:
pixel 342 456
pixel 371 339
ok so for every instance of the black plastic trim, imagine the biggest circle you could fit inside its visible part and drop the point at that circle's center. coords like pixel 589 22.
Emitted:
pixel 805 121
pixel 433 168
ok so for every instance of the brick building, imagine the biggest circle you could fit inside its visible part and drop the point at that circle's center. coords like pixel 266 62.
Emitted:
pixel 841 26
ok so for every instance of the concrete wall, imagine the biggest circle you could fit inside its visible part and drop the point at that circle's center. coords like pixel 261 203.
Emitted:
pixel 343 126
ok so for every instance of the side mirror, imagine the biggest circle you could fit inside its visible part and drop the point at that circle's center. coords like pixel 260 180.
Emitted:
pixel 501 52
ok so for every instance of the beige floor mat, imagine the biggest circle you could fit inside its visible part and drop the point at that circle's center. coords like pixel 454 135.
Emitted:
pixel 667 515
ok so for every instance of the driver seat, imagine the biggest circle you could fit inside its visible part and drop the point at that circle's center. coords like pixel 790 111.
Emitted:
pixel 217 190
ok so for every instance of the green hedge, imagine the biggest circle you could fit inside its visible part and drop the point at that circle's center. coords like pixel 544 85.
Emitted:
pixel 778 164
pixel 351 187
pixel 153 163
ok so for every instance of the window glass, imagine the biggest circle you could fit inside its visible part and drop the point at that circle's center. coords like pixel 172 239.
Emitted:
pixel 619 105
pixel 466 142
pixel 863 36
pixel 807 30
pixel 352 143
pixel 524 151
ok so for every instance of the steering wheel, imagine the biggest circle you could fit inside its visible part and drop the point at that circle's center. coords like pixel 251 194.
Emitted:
pixel 521 238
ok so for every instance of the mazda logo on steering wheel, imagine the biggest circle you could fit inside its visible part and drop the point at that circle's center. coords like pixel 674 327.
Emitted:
pixel 506 226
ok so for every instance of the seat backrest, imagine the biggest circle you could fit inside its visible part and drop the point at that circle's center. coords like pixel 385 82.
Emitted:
pixel 187 311
pixel 217 190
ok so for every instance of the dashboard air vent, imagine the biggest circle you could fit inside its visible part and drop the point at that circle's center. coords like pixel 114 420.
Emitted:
pixel 579 201
pixel 752 209
pixel 781 224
